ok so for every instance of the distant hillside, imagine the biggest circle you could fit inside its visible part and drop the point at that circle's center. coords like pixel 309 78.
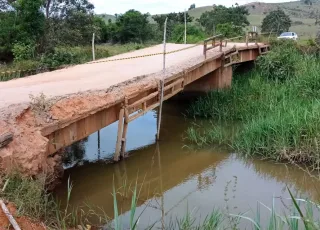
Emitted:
pixel 106 17
pixel 302 15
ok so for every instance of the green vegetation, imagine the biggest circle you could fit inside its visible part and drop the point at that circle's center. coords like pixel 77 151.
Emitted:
pixel 276 21
pixel 276 106
pixel 234 19
pixel 298 11
pixel 43 35
pixel 32 200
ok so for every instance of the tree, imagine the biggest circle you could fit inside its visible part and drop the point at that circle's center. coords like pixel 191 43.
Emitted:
pixel 276 21
pixel 8 34
pixel 307 2
pixel 194 33
pixel 173 20
pixel 30 20
pixel 236 16
pixel 62 8
pixel 132 26
pixel 229 30
pixel 193 6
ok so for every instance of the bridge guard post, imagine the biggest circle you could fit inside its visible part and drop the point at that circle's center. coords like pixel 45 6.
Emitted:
pixel 119 135
pixel 125 128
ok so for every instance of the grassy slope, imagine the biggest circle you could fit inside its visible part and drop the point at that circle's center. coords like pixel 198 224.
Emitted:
pixel 297 11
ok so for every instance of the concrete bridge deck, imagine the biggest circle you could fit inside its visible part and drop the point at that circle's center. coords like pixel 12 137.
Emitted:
pixel 86 98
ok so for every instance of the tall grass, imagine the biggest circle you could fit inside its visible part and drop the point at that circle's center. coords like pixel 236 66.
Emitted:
pixel 295 214
pixel 32 200
pixel 277 105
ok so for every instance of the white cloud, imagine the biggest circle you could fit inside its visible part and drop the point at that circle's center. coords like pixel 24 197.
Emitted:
pixel 158 6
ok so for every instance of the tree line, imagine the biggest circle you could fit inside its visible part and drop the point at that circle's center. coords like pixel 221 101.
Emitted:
pixel 35 28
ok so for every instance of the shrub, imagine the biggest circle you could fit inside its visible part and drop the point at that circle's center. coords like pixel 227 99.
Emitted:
pixel 229 30
pixel 22 51
pixel 58 58
pixel 281 62
pixel 194 34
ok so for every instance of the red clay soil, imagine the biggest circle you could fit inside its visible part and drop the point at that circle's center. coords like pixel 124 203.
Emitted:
pixel 28 150
pixel 23 222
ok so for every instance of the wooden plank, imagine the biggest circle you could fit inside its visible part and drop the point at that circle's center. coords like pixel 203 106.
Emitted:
pixel 139 114
pixel 119 136
pixel 5 139
pixel 143 100
pixel 173 84
pixel 46 131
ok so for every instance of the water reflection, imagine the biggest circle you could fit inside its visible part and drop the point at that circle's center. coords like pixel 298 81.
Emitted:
pixel 172 178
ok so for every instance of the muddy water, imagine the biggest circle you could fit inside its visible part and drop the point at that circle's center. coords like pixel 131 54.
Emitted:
pixel 171 177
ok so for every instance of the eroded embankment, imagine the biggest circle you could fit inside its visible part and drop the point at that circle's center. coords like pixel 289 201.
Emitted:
pixel 28 150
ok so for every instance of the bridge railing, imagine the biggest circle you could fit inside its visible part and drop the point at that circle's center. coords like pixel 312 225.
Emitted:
pixel 212 41
pixel 252 36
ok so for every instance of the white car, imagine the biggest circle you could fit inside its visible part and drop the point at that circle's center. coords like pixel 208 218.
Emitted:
pixel 288 35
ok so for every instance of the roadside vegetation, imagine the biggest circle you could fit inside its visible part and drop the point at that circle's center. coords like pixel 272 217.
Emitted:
pixel 276 108
pixel 38 36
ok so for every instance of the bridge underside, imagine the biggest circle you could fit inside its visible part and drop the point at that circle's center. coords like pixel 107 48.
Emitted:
pixel 214 73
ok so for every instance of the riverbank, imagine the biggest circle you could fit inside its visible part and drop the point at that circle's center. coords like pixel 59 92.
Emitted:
pixel 186 185
pixel 276 106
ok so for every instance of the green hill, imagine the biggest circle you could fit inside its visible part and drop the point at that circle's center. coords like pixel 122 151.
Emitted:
pixel 302 15
pixel 106 17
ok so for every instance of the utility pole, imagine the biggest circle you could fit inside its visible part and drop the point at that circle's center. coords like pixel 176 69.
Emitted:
pixel 163 77
pixel 185 26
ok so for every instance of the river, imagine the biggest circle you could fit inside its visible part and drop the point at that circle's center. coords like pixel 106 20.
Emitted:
pixel 172 177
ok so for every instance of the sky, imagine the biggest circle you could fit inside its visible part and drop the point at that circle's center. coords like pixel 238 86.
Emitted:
pixel 159 6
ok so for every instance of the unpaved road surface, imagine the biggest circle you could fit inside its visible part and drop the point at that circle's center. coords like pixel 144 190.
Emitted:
pixel 98 76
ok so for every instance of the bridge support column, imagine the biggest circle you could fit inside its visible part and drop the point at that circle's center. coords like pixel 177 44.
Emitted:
pixel 218 79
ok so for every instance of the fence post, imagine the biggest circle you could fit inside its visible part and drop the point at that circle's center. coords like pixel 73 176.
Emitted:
pixel 163 78
pixel 247 39
pixel 185 27
pixel 93 49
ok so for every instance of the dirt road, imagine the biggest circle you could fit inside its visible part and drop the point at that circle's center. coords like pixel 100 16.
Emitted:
pixel 98 76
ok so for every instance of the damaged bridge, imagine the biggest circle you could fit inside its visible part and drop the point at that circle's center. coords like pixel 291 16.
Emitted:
pixel 80 100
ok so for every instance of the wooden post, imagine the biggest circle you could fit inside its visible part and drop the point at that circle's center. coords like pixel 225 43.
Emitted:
pixel 185 27
pixel 163 78
pixel 99 148
pixel 93 48
pixel 247 39
pixel 125 128
pixel 220 44
pixel 5 139
pixel 119 136
pixel 205 49
pixel 9 216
